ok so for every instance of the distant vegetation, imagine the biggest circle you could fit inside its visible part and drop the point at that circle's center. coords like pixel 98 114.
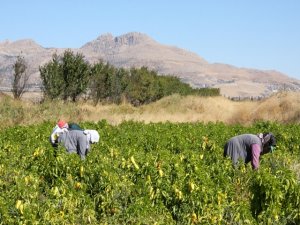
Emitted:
pixel 20 77
pixel 283 108
pixel 69 76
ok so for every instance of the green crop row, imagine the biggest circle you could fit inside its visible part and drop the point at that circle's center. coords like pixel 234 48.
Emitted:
pixel 157 173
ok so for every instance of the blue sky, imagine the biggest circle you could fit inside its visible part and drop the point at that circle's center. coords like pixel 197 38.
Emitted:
pixel 260 34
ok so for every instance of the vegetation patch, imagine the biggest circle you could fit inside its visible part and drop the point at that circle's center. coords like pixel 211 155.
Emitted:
pixel 163 173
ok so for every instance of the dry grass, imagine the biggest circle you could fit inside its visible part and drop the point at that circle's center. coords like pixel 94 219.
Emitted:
pixel 282 107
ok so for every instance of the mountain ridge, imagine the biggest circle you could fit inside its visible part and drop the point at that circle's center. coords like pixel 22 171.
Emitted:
pixel 136 49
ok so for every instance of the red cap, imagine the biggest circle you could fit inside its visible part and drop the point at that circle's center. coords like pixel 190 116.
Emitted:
pixel 61 123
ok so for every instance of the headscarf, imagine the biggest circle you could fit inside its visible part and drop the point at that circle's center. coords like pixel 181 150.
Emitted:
pixel 269 139
pixel 92 136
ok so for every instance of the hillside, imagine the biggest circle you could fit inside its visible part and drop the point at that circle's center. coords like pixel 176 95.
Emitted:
pixel 137 49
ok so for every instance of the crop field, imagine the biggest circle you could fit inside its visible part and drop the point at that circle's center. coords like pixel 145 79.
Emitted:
pixel 155 173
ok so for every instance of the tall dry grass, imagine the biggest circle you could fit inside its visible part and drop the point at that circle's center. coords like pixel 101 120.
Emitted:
pixel 282 107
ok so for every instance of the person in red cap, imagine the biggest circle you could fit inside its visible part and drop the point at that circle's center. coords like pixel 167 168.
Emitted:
pixel 73 138
pixel 61 127
pixel 62 124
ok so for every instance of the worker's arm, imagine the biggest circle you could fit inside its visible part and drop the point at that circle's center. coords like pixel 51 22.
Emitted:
pixel 255 151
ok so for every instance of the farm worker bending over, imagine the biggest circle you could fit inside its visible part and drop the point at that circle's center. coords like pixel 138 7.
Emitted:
pixel 78 141
pixel 249 147
pixel 62 126
pixel 73 138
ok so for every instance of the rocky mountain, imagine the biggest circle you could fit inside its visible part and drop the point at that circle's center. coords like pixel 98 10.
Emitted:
pixel 136 50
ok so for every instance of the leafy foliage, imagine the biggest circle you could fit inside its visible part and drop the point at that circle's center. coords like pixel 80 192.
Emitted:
pixel 137 85
pixel 51 75
pixel 140 173
pixel 75 75
pixel 66 76
pixel 69 76
pixel 107 83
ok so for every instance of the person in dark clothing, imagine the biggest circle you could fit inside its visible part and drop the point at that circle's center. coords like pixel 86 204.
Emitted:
pixel 249 147
pixel 73 138
pixel 78 141
pixel 75 141
pixel 60 127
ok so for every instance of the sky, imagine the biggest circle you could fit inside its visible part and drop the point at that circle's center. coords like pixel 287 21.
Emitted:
pixel 258 34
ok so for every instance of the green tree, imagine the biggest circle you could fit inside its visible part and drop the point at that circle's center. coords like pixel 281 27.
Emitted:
pixel 51 75
pixel 143 86
pixel 99 83
pixel 20 77
pixel 76 74
pixel 107 83
pixel 134 91
pixel 118 82
pixel 66 76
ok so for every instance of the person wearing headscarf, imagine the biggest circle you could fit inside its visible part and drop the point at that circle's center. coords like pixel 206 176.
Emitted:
pixel 249 148
pixel 60 127
pixel 73 138
pixel 78 141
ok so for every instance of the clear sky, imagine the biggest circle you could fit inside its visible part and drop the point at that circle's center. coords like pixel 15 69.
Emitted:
pixel 259 34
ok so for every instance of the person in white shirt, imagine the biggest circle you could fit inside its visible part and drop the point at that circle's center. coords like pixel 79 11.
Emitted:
pixel 60 127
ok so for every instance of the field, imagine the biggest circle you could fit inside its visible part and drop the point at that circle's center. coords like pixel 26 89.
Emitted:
pixel 156 173
pixel 143 172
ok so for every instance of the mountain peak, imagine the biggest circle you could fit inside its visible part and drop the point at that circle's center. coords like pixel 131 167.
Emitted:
pixel 5 42
pixel 105 37
pixel 132 38
pixel 129 39
pixel 24 44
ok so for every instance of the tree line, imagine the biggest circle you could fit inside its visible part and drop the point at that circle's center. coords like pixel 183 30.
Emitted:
pixel 69 76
